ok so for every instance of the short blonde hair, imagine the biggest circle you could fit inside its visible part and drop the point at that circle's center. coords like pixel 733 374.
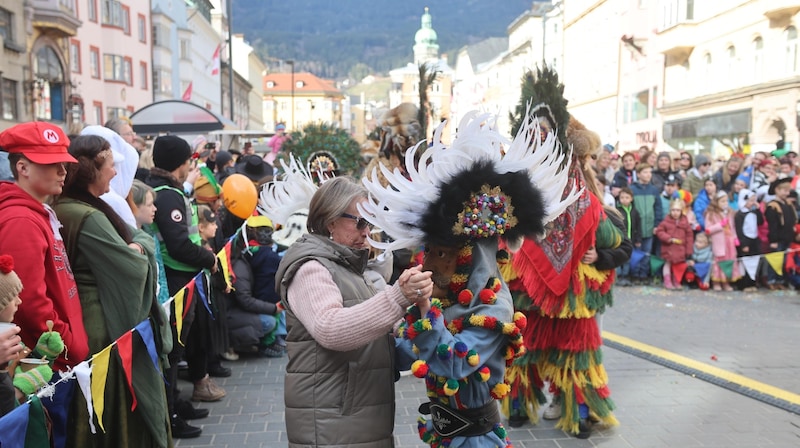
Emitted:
pixel 330 201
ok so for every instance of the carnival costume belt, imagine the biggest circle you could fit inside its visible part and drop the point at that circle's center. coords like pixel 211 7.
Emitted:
pixel 449 422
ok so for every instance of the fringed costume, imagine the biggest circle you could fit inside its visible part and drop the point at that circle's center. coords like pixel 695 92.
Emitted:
pixel 459 202
pixel 560 295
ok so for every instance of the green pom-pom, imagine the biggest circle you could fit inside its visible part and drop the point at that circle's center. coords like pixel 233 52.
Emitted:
pixel 450 387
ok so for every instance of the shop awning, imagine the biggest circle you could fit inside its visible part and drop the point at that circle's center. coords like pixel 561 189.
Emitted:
pixel 177 117
pixel 724 124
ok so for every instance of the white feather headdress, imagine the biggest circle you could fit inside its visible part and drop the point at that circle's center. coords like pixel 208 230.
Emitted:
pixel 429 205
pixel 292 193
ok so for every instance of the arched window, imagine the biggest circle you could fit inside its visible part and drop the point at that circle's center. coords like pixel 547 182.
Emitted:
pixel 790 56
pixel 48 87
pixel 732 71
pixel 708 74
pixel 758 59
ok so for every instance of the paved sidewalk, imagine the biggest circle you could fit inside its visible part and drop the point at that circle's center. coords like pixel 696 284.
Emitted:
pixel 656 406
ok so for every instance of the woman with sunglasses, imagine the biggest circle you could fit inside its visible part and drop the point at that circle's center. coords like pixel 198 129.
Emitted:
pixel 339 386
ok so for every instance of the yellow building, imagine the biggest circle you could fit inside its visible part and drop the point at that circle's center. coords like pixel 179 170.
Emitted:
pixel 732 72
pixel 297 99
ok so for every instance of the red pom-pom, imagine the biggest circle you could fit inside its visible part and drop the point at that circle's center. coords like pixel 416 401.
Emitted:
pixel 494 284
pixel 487 296
pixel 465 297
pixel 520 320
pixel 6 264
pixel 419 369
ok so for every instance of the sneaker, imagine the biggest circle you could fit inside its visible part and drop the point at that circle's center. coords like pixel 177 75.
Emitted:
pixel 183 430
pixel 553 411
pixel 186 411
pixel 271 351
pixel 207 390
pixel 230 355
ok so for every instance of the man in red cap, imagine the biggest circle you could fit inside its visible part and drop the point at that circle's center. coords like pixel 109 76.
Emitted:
pixel 29 232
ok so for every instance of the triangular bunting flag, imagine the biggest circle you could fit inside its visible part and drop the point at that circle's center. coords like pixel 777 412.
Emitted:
pixel 189 296
pixel 678 271
pixel 36 436
pixel 99 374
pixel 146 333
pixel 224 257
pixel 125 352
pixel 775 260
pixel 201 292
pixel 751 265
pixel 702 270
pixel 726 266
pixel 656 263
pixel 83 373
pixel 178 297
pixel 636 257
pixel 14 425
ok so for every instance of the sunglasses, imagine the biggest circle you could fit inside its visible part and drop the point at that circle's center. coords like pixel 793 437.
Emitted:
pixel 361 223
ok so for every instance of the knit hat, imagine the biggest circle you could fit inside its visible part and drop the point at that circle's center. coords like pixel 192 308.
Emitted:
pixel 170 152
pixel 701 159
pixel 39 142
pixel 223 157
pixel 744 177
pixel 10 284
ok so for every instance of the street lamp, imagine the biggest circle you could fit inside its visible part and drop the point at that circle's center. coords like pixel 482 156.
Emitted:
pixel 291 64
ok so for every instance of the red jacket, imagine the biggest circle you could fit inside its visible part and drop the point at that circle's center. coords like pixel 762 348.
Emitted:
pixel 48 287
pixel 680 229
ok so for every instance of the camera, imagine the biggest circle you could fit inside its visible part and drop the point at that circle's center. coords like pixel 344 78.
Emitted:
pixel 210 145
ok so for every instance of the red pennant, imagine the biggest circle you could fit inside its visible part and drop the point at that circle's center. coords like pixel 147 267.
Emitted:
pixel 125 351
pixel 678 271
pixel 189 296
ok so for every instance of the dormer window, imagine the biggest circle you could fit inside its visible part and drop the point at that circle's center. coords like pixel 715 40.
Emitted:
pixel 299 84
pixel 270 84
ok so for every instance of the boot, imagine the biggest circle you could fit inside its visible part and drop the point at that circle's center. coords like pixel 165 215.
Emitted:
pixel 668 282
pixel 183 430
pixel 207 390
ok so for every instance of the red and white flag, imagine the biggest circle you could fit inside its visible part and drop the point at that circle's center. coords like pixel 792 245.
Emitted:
pixel 215 61
pixel 187 94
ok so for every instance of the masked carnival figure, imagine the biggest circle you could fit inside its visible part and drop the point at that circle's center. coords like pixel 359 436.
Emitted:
pixel 459 201
pixel 560 282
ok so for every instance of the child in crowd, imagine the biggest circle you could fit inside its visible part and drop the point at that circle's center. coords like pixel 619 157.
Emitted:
pixel 746 221
pixel 206 224
pixel 701 254
pixel 723 241
pixel 781 218
pixel 633 230
pixel 15 387
pixel 705 197
pixel 677 241
pixel 142 201
pixel 647 202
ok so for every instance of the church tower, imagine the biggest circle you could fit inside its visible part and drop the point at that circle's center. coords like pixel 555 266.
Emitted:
pixel 426 47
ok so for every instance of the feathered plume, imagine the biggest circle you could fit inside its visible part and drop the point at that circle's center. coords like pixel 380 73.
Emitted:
pixel 284 197
pixel 445 199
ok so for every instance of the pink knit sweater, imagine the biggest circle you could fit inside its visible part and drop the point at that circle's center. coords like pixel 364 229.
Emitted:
pixel 317 303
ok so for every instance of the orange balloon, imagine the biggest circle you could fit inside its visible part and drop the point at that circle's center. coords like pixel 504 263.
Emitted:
pixel 239 195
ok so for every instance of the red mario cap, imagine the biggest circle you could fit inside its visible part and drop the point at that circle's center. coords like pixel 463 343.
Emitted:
pixel 38 141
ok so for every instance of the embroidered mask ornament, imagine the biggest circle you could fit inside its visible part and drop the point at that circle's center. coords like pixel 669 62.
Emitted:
pixel 460 200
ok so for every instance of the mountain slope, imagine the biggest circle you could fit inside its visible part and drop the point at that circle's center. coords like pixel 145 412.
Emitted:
pixel 329 37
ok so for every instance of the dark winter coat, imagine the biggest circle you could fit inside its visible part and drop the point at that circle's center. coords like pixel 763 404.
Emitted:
pixel 246 306
pixel 632 223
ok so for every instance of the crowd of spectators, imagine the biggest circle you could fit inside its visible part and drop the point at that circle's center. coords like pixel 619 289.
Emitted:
pixel 722 224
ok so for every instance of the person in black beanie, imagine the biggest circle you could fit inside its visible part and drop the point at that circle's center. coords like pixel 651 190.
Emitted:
pixel 175 226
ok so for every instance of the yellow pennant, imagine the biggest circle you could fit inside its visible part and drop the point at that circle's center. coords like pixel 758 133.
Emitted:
pixel 179 312
pixel 224 264
pixel 99 373
pixel 775 259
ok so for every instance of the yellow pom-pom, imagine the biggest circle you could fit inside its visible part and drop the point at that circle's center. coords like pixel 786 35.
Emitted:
pixel 500 390
pixel 509 328
pixel 450 387
pixel 419 368
pixel 484 374
pixel 520 320
pixel 473 358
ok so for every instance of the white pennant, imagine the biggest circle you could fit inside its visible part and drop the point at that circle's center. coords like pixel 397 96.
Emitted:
pixel 82 372
pixel 751 265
